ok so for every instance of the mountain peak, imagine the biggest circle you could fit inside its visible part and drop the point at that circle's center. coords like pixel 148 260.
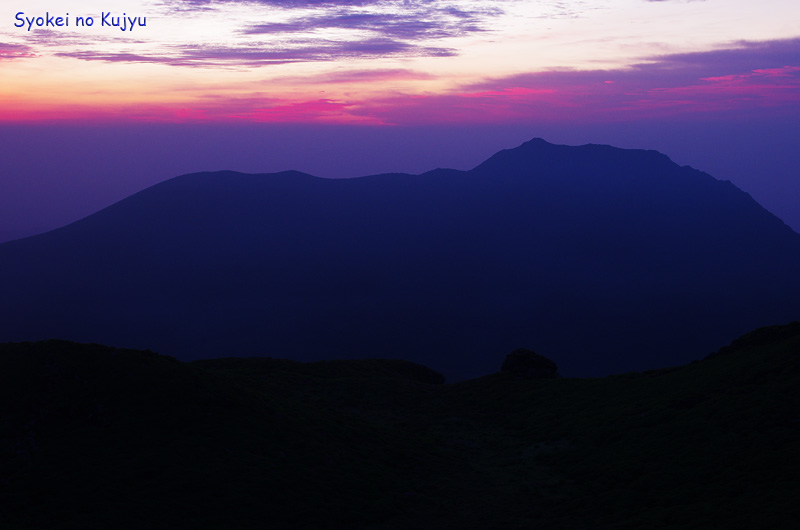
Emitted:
pixel 608 259
pixel 538 153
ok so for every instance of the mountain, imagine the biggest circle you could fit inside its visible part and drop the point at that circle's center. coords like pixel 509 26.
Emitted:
pixel 96 437
pixel 605 260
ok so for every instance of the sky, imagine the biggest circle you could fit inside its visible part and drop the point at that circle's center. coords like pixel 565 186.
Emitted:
pixel 90 113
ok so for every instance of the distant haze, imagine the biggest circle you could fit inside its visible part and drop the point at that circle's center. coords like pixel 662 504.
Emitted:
pixel 51 175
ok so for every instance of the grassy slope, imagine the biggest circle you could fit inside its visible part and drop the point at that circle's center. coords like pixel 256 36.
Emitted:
pixel 96 437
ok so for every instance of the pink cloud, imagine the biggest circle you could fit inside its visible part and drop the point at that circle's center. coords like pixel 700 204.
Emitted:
pixel 752 77
pixel 362 76
pixel 786 71
pixel 320 110
pixel 783 72
pixel 15 51
pixel 516 92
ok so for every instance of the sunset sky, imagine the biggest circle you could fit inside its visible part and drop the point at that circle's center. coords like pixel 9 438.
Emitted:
pixel 712 83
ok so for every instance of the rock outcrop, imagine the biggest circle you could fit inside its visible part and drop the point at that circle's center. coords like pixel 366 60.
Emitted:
pixel 529 364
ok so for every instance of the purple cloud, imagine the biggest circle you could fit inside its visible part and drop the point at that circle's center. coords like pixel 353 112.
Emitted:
pixel 320 50
pixel 398 28
pixel 420 22
pixel 396 19
pixel 288 4
pixel 669 70
pixel 10 51
pixel 739 55
pixel 363 76
pixel 759 77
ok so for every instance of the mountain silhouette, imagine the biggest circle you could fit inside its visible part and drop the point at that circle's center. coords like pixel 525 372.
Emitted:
pixel 602 259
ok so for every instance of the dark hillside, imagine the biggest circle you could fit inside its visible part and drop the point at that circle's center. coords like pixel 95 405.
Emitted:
pixel 96 437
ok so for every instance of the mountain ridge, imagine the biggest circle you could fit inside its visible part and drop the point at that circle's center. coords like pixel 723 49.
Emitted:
pixel 584 253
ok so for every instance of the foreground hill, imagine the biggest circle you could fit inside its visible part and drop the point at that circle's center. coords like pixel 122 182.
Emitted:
pixel 607 259
pixel 96 437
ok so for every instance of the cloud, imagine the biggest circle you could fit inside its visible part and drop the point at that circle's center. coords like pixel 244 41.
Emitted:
pixel 317 50
pixel 748 76
pixel 321 31
pixel 406 20
pixel 10 51
pixel 744 78
pixel 670 70
pixel 421 21
pixel 738 55
pixel 357 77
pixel 320 110
pixel 290 4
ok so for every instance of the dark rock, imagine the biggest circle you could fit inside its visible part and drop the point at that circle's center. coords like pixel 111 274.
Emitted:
pixel 529 364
